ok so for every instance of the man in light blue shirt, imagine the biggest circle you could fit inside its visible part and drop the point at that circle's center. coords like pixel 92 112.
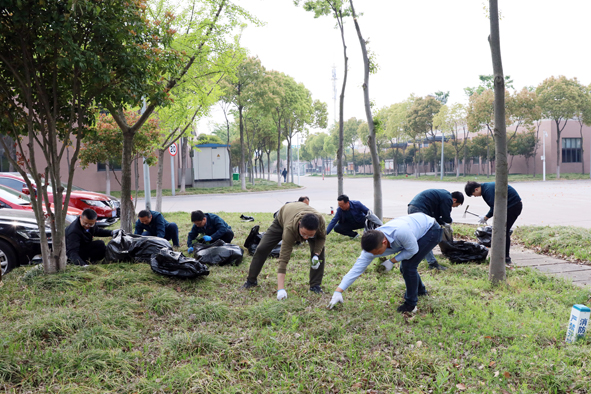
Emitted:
pixel 410 238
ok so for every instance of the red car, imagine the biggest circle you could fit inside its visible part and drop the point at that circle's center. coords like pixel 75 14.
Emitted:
pixel 107 208
pixel 11 199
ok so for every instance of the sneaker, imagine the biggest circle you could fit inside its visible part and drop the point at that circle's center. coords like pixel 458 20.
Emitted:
pixel 405 308
pixel 386 266
pixel 437 266
pixel 248 285
pixel 508 261
pixel 316 289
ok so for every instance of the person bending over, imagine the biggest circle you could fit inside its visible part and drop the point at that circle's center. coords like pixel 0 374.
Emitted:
pixel 294 222
pixel 350 216
pixel 152 223
pixel 81 248
pixel 436 203
pixel 514 207
pixel 409 238
pixel 213 226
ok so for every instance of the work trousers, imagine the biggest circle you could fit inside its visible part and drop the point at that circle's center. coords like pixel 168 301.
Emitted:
pixel 347 228
pixel 94 251
pixel 430 256
pixel 228 236
pixel 512 215
pixel 271 238
pixel 408 268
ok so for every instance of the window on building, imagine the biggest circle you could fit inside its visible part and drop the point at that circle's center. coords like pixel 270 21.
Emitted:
pixel 113 167
pixel 571 150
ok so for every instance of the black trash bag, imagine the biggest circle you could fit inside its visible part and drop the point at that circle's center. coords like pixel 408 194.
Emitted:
pixel 462 251
pixel 219 253
pixel 372 221
pixel 253 240
pixel 170 263
pixel 484 235
pixel 132 247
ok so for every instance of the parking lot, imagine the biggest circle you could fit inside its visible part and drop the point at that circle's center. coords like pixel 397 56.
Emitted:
pixel 544 203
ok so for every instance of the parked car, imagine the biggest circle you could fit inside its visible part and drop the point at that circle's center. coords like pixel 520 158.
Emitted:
pixel 11 199
pixel 20 240
pixel 108 208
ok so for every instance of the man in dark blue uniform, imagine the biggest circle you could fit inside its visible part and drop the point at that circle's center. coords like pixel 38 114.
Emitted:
pixel 514 207
pixel 436 203
pixel 153 223
pixel 81 247
pixel 350 216
pixel 213 226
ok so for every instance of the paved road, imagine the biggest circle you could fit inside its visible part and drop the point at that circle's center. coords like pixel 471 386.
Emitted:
pixel 545 203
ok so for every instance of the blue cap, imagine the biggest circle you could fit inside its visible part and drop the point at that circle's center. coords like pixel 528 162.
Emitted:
pixel 581 308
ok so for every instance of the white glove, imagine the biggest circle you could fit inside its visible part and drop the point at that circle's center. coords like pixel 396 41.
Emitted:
pixel 336 298
pixel 388 265
pixel 315 263
pixel 447 226
pixel 482 220
pixel 281 295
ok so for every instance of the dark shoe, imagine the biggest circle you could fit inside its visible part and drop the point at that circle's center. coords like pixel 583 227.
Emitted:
pixel 248 285
pixel 426 293
pixel 316 289
pixel 405 308
pixel 508 261
pixel 437 266
pixel 355 236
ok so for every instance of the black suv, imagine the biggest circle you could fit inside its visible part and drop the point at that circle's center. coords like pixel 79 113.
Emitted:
pixel 20 242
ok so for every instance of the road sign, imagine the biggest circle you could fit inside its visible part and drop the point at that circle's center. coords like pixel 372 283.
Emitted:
pixel 172 149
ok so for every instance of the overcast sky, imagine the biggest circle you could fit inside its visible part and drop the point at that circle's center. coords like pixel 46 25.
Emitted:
pixel 421 47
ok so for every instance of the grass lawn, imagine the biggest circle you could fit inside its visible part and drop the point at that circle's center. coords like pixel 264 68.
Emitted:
pixel 477 178
pixel 120 328
pixel 260 185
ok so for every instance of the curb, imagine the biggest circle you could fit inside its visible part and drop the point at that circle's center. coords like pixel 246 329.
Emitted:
pixel 232 194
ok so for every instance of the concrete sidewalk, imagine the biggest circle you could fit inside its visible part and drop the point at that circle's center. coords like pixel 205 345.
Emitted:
pixel 579 274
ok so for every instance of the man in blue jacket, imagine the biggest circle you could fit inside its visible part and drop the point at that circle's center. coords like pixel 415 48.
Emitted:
pixel 409 239
pixel 514 207
pixel 350 216
pixel 152 223
pixel 436 203
pixel 213 226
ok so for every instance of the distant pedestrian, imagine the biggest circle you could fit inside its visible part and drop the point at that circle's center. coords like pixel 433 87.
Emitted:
pixel 514 207
pixel 284 173
pixel 436 203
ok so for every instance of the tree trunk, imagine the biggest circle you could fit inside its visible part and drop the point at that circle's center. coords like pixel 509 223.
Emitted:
pixel 127 211
pixel 278 153
pixel 582 151
pixel 269 166
pixel 108 178
pixel 558 150
pixel 377 176
pixel 340 187
pixel 159 180
pixel 137 181
pixel 497 261
pixel 242 164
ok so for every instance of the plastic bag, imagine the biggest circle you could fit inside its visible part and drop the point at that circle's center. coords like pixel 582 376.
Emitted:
pixel 372 221
pixel 484 235
pixel 219 253
pixel 253 240
pixel 132 247
pixel 170 263
pixel 462 251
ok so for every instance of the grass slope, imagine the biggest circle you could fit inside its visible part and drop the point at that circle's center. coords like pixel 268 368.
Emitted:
pixel 120 328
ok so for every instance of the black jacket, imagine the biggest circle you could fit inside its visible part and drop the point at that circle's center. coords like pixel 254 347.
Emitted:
pixel 77 238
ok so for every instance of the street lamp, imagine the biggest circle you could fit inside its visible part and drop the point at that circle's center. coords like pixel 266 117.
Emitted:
pixel 544 156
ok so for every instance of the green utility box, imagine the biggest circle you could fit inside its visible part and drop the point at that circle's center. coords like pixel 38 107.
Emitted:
pixel 235 177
